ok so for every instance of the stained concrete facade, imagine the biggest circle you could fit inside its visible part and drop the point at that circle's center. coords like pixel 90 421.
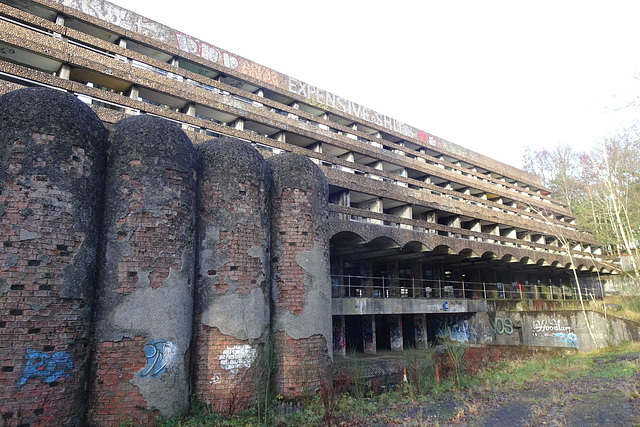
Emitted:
pixel 419 229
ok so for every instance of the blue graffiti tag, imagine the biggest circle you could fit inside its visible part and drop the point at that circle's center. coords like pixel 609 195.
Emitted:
pixel 453 328
pixel 45 367
pixel 159 355
pixel 569 340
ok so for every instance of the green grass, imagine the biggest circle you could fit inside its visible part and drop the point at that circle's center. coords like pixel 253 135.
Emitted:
pixel 361 407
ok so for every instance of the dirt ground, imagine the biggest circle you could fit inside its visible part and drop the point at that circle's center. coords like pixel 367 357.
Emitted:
pixel 584 402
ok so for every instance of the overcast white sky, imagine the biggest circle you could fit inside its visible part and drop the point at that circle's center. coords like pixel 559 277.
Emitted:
pixel 492 76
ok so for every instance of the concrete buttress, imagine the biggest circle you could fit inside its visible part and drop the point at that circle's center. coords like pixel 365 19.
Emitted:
pixel 145 293
pixel 232 317
pixel 301 288
pixel 52 151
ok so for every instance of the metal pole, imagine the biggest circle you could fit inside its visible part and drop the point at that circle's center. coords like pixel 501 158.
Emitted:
pixel 484 290
pixel 383 294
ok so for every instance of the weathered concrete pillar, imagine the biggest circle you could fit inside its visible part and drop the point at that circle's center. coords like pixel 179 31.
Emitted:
pixel 52 157
pixel 232 294
pixel 339 336
pixel 377 206
pixel 420 326
pixel 300 263
pixel 369 334
pixel 395 331
pixel 145 293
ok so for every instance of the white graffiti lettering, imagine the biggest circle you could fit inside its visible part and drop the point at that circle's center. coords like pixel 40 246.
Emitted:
pixel 547 328
pixel 324 99
pixel 206 51
pixel 237 357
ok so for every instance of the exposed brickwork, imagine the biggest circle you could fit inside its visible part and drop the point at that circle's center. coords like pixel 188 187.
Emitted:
pixel 226 386
pixel 156 242
pixel 40 331
pixel 145 288
pixel 301 361
pixel 296 233
pixel 301 364
pixel 117 400
pixel 241 269
pixel 226 373
pixel 148 233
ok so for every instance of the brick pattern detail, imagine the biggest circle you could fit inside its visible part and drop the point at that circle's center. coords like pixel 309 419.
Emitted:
pixel 148 233
pixel 296 232
pixel 241 269
pixel 229 391
pixel 157 241
pixel 116 399
pixel 38 241
pixel 225 391
pixel 301 364
pixel 301 361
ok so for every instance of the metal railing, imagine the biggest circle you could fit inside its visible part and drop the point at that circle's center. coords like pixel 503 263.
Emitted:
pixel 348 286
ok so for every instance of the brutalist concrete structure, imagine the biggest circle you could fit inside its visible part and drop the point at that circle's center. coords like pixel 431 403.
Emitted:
pixel 393 238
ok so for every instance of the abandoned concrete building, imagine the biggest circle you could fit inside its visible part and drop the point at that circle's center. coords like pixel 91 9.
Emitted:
pixel 412 231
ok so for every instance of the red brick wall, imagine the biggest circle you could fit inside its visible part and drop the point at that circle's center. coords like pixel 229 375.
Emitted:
pixel 116 400
pixel 39 241
pixel 301 364
pixel 300 361
pixel 156 241
pixel 226 391
pixel 296 233
pixel 234 388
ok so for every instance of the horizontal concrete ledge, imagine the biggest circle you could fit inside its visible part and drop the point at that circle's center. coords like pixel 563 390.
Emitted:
pixel 362 306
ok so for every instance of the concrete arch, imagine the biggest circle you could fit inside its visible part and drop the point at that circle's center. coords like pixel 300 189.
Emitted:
pixel 383 242
pixel 443 250
pixel 468 253
pixel 488 255
pixel 347 238
pixel 541 262
pixel 415 246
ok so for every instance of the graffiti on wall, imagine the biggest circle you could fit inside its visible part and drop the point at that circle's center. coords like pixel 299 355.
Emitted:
pixel 548 327
pixel 429 139
pixel 395 330
pixel 455 328
pixel 369 338
pixel 569 340
pixel 319 97
pixel 211 53
pixel 45 367
pixel 502 325
pixel 159 355
pixel 339 341
pixel 421 330
pixel 554 328
pixel 237 357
